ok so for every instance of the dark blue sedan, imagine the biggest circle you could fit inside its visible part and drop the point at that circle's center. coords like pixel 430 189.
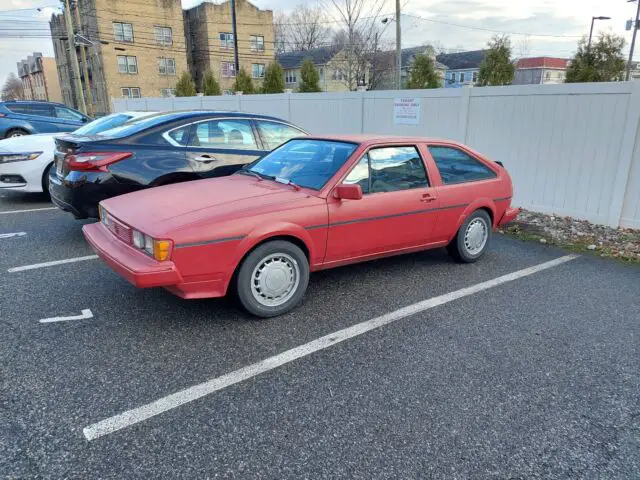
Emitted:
pixel 159 150
pixel 20 118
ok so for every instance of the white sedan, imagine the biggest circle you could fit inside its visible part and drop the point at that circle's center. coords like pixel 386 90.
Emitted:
pixel 25 160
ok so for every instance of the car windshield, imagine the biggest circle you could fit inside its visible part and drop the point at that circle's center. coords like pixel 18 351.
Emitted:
pixel 104 123
pixel 137 125
pixel 305 162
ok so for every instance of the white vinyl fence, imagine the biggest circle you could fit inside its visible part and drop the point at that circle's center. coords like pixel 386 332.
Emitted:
pixel 571 149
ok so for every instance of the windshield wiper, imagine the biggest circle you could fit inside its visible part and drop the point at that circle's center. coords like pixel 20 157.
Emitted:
pixel 250 172
pixel 286 181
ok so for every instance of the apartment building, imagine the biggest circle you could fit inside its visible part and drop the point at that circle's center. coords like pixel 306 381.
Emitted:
pixel 540 70
pixel 39 78
pixel 210 42
pixel 136 49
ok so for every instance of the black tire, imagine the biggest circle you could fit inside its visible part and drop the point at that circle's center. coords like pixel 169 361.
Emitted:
pixel 458 248
pixel 244 278
pixel 45 180
pixel 16 132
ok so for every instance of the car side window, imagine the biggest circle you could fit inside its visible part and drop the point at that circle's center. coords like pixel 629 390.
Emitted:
pixel 396 168
pixel 227 133
pixel 360 175
pixel 67 114
pixel 275 134
pixel 41 110
pixel 17 108
pixel 180 136
pixel 456 166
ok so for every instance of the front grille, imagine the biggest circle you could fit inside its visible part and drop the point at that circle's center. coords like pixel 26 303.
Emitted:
pixel 120 230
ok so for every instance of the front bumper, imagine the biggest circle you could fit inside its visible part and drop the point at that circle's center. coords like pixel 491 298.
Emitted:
pixel 24 176
pixel 136 267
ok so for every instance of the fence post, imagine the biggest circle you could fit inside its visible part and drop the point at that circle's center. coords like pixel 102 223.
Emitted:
pixel 627 148
pixel 463 125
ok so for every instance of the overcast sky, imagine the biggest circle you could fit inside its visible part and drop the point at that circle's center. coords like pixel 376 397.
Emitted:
pixel 537 27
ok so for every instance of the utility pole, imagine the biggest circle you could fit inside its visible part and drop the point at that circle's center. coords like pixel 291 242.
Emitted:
pixel 83 53
pixel 234 31
pixel 398 47
pixel 74 58
pixel 633 42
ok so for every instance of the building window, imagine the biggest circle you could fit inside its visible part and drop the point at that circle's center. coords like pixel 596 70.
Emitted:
pixel 290 76
pixel 167 92
pixel 453 77
pixel 167 66
pixel 257 70
pixel 228 69
pixel 257 43
pixel 130 92
pixel 462 79
pixel 547 75
pixel 163 35
pixel 338 74
pixel 475 77
pixel 321 73
pixel 123 32
pixel 127 64
pixel 226 40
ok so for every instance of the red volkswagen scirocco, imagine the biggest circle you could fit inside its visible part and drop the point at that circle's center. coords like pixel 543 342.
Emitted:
pixel 313 203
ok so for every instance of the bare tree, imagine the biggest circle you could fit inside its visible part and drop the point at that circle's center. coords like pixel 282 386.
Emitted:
pixel 303 29
pixel 12 88
pixel 524 47
pixel 359 20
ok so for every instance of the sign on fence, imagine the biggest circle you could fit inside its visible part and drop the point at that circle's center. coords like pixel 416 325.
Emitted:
pixel 406 111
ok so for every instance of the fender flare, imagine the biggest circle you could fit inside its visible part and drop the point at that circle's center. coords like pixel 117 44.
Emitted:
pixel 261 233
pixel 477 204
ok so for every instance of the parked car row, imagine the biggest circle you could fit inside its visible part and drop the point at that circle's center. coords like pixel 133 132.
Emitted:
pixel 204 203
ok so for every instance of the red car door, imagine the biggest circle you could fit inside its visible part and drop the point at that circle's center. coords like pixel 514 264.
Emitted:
pixel 397 211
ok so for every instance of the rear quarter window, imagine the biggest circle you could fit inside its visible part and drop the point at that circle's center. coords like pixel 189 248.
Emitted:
pixel 456 166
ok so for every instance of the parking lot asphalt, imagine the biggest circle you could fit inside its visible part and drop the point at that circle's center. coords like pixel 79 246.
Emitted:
pixel 538 377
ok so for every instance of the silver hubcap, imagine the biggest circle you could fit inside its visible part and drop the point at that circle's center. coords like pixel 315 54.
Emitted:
pixel 17 134
pixel 475 238
pixel 275 279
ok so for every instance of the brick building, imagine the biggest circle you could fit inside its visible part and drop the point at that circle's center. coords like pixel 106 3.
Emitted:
pixel 210 41
pixel 39 78
pixel 137 49
pixel 540 70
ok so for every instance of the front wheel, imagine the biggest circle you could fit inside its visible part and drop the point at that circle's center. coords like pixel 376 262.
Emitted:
pixel 473 237
pixel 273 279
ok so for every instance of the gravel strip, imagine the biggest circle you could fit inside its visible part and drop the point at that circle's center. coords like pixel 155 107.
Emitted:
pixel 578 235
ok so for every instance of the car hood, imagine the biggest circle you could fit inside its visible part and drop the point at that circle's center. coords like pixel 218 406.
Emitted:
pixel 27 143
pixel 163 210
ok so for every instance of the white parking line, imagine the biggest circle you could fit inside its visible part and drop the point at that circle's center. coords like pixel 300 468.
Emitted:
pixel 11 235
pixel 28 210
pixel 139 414
pixel 51 264
pixel 86 313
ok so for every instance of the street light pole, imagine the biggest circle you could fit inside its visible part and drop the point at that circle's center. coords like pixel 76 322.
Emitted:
pixel 398 48
pixel 633 41
pixel 593 19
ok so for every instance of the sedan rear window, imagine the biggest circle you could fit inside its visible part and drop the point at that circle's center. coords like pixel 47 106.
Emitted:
pixel 307 163
pixel 102 124
pixel 137 125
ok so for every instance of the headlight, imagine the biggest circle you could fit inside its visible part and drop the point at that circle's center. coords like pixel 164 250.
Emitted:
pixel 138 239
pixel 18 157
pixel 104 217
pixel 148 245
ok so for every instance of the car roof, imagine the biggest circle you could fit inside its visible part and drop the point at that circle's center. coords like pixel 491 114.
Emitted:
pixel 36 102
pixel 182 114
pixel 371 139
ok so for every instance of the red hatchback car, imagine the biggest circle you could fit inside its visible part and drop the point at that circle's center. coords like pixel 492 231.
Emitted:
pixel 313 203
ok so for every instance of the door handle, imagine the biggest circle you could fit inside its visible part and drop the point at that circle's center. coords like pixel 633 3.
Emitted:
pixel 427 197
pixel 205 158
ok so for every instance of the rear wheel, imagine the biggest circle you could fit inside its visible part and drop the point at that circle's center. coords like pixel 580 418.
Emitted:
pixel 16 132
pixel 272 279
pixel 473 237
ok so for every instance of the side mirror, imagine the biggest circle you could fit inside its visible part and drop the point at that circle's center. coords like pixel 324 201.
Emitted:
pixel 348 192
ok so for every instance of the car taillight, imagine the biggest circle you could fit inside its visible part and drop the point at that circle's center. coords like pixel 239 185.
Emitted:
pixel 2 115
pixel 94 161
